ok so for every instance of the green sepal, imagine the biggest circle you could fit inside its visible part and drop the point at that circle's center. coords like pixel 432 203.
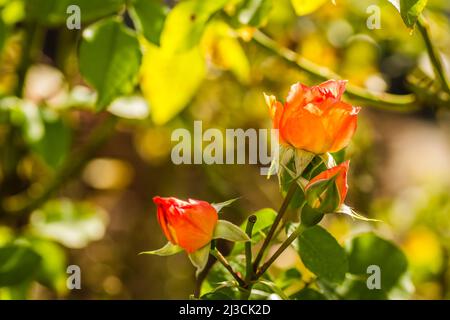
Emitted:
pixel 219 206
pixel 199 258
pixel 310 217
pixel 229 231
pixel 168 250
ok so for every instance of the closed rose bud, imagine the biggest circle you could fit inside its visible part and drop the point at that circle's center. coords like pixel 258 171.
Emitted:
pixel 315 118
pixel 326 192
pixel 189 224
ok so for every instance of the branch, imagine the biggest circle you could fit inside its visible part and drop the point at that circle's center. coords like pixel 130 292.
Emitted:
pixel 433 53
pixel 216 253
pixel 275 223
pixel 248 248
pixel 294 235
pixel 387 101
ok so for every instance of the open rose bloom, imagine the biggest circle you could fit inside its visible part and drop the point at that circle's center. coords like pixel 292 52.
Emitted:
pixel 315 119
pixel 189 224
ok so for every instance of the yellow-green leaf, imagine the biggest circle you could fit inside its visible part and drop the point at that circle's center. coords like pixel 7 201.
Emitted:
pixel 185 24
pixel 304 7
pixel 222 47
pixel 169 81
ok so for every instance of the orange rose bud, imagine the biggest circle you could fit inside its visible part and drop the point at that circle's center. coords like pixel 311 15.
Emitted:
pixel 326 192
pixel 189 224
pixel 315 118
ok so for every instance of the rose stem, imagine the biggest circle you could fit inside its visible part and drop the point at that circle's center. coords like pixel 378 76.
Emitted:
pixel 248 248
pixel 216 253
pixel 274 226
pixel 280 250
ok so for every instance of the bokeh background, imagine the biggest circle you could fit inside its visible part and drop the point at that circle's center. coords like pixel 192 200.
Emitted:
pixel 102 217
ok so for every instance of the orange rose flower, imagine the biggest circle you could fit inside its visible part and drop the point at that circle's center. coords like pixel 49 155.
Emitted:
pixel 315 118
pixel 188 224
pixel 326 192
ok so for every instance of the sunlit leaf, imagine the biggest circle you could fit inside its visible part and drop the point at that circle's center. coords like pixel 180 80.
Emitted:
pixel 72 224
pixel 109 59
pixel 410 10
pixel 52 270
pixel 222 48
pixel 13 12
pixel 254 12
pixel 148 17
pixel 185 24
pixel 304 7
pixel 170 81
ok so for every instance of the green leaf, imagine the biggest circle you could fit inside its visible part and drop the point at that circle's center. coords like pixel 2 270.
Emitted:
pixel 3 32
pixel 322 254
pixel 304 7
pixel 356 289
pixel 264 219
pixel 52 270
pixel 13 11
pixel 219 206
pixel 168 250
pixel 72 224
pixel 109 59
pixel 228 231
pixel 148 17
pixel 273 287
pixel 288 278
pixel 26 115
pixel 410 10
pixel 55 143
pixel 218 275
pixel 308 294
pixel 223 292
pixel 186 22
pixel 254 12
pixel 199 258
pixel 368 249
pixel 170 81
pixel 16 292
pixel 222 47
pixel 18 263
pixel 54 12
